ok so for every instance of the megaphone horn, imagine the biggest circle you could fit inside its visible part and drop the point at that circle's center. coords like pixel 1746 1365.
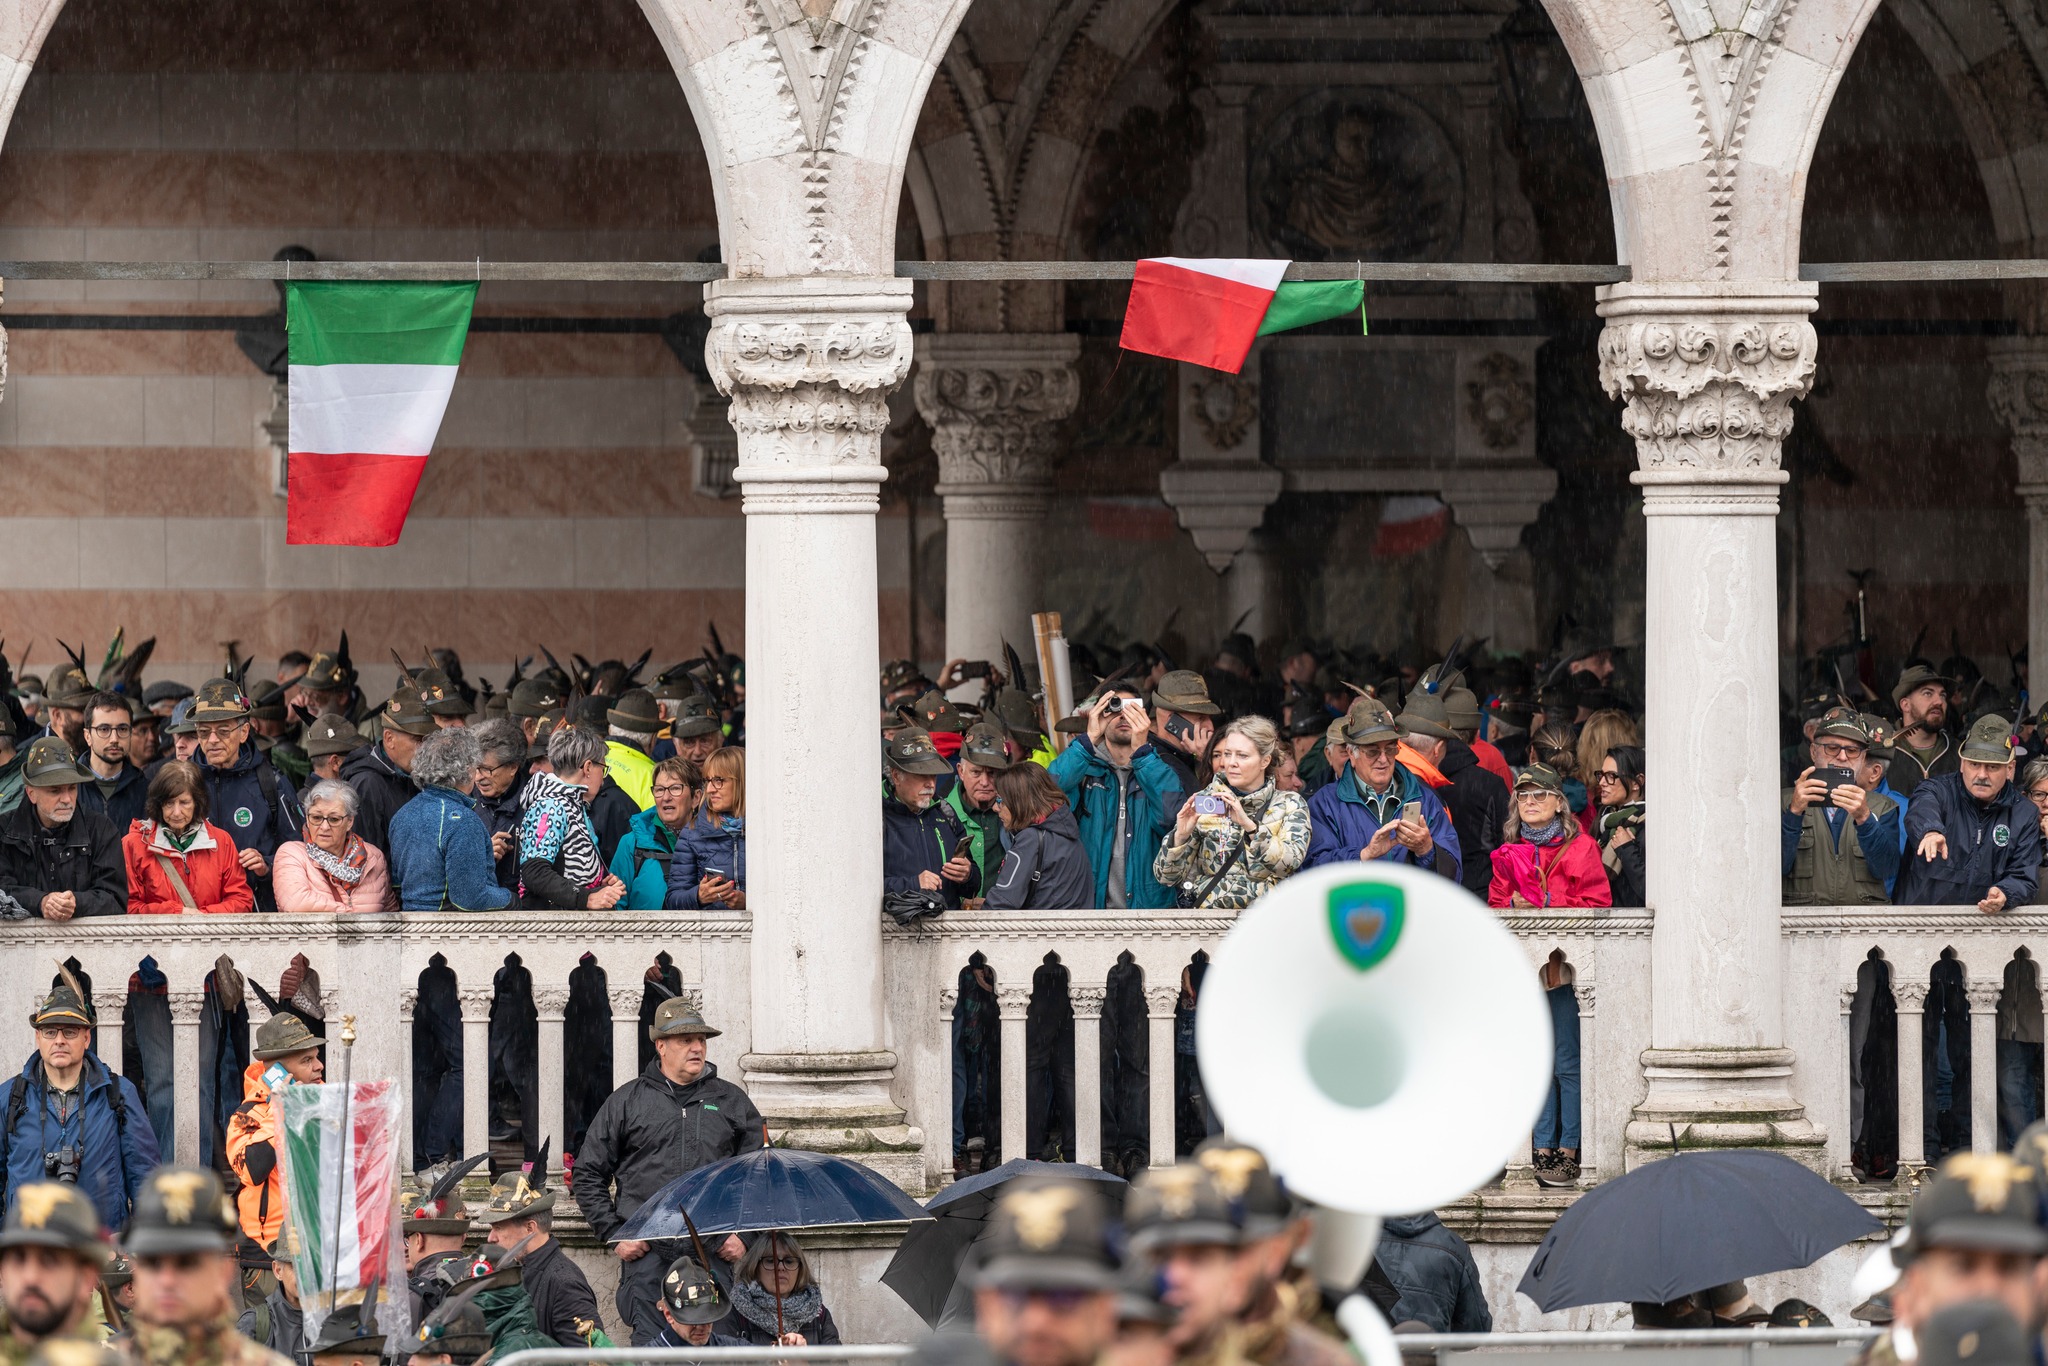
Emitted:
pixel 1380 1035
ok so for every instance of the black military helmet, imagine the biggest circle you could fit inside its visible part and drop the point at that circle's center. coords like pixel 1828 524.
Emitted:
pixel 54 1214
pixel 691 1293
pixel 1260 1203
pixel 1047 1233
pixel 180 1209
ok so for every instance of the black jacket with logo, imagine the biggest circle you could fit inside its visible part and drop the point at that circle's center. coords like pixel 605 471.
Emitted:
pixel 83 857
pixel 649 1132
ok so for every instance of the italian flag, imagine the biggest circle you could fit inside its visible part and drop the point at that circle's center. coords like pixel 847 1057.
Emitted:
pixel 372 365
pixel 341 1184
pixel 1211 311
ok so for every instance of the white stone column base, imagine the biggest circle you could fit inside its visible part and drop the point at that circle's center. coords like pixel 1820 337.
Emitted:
pixel 1722 1098
pixel 838 1103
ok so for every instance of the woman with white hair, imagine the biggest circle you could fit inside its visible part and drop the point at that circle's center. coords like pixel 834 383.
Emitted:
pixel 440 848
pixel 332 868
pixel 1234 840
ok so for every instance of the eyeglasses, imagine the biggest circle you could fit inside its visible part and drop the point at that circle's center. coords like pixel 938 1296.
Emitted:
pixel 109 732
pixel 1534 794
pixel 668 791
pixel 1603 777
pixel 717 782
pixel 219 732
pixel 494 768
pixel 1842 750
pixel 1385 750
pixel 328 820
pixel 787 1263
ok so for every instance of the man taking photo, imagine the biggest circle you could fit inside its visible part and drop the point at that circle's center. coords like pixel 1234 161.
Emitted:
pixel 1124 795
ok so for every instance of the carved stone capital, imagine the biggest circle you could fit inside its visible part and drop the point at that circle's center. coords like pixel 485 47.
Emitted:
pixel 1087 1001
pixel 109 1002
pixel 476 1003
pixel 1708 373
pixel 185 1006
pixel 809 365
pixel 626 1001
pixel 1160 1001
pixel 1984 996
pixel 1013 1002
pixel 2018 390
pixel 1585 992
pixel 994 402
pixel 408 1002
pixel 551 1003
pixel 1909 995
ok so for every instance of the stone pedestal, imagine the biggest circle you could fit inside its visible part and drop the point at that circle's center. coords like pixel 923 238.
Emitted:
pixel 808 364
pixel 1709 372
pixel 994 402
pixel 2019 395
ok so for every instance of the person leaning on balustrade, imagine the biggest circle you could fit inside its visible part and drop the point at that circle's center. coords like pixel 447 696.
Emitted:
pixel 559 864
pixel 440 847
pixel 1971 837
pixel 57 861
pixel 333 869
pixel 643 857
pixel 178 860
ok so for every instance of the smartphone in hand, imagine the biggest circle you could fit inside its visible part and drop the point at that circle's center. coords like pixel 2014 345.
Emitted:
pixel 1411 813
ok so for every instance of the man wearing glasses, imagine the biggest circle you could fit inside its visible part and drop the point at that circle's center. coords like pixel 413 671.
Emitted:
pixel 117 788
pixel 247 797
pixel 1377 809
pixel 1840 840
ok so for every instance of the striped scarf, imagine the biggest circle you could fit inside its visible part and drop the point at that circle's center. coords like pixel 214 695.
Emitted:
pixel 556 827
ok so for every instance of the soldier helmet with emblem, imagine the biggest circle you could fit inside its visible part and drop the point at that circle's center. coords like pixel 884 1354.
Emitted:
pixel 50 763
pixel 179 1210
pixel 1259 1201
pixel 691 1293
pixel 1985 1202
pixel 1990 741
pixel 55 1214
pixel 1047 1233
pixel 1179 1206
pixel 406 711
pixel 219 699
pixel 984 746
pixel 282 1035
pixel 68 1003
pixel 350 1330
pixel 442 1210
pixel 523 1193
pixel 912 750
pixel 330 733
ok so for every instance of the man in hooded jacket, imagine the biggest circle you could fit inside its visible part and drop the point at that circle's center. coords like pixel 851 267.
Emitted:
pixel 673 1118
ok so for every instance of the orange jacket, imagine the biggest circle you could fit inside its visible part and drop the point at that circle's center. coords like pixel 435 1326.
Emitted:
pixel 1421 767
pixel 261 1200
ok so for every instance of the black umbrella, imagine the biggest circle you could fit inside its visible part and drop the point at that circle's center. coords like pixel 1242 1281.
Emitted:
pixel 1687 1223
pixel 926 1268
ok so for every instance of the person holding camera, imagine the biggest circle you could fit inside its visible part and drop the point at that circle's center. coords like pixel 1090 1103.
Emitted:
pixel 1123 794
pixel 68 1118
pixel 1840 839
pixel 1235 840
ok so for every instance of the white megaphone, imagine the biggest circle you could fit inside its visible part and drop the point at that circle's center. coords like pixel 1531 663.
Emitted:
pixel 1376 1031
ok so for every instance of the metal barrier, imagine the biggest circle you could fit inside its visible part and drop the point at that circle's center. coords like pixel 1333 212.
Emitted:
pixel 658 1356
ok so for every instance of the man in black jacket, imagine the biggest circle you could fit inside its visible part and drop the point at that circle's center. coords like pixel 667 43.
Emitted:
pixel 381 773
pixel 57 861
pixel 1972 838
pixel 117 788
pixel 673 1118
pixel 1477 801
pixel 924 845
pixel 522 1210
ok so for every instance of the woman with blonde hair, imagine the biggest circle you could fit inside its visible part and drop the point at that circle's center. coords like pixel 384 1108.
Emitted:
pixel 1603 731
pixel 1234 840
pixel 709 868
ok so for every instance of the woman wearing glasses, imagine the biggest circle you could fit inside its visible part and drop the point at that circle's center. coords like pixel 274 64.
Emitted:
pixel 644 855
pixel 1618 822
pixel 333 868
pixel 776 1298
pixel 709 871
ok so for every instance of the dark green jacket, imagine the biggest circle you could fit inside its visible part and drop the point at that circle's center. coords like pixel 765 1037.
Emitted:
pixel 1825 872
pixel 984 830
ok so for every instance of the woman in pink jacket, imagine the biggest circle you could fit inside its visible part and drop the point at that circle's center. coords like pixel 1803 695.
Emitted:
pixel 1548 862
pixel 333 868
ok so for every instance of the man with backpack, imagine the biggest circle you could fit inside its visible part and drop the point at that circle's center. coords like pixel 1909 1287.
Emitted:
pixel 65 1117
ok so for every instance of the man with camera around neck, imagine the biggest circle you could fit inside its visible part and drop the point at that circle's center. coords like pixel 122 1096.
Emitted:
pixel 1840 840
pixel 66 1117
pixel 1123 794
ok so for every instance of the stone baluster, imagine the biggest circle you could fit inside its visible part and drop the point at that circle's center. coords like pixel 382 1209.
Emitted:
pixel 1708 373
pixel 1159 1006
pixel 1589 1056
pixel 809 363
pixel 2019 396
pixel 626 1033
pixel 1911 997
pixel 1087 1073
pixel 476 1069
pixel 1983 995
pixel 1013 1003
pixel 408 1005
pixel 185 1008
pixel 107 1005
pixel 552 1004
pixel 994 402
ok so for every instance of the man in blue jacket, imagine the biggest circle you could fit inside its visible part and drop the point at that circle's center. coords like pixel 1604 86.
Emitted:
pixel 245 796
pixel 924 845
pixel 66 1117
pixel 1972 838
pixel 1125 797
pixel 1359 815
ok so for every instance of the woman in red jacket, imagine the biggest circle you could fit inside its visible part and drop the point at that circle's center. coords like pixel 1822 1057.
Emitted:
pixel 1548 861
pixel 177 862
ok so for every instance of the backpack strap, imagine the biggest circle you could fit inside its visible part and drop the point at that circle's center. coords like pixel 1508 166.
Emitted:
pixel 17 1106
pixel 266 778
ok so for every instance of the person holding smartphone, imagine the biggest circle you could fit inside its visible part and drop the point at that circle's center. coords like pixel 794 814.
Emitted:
pixel 1377 808
pixel 1840 840
pixel 924 845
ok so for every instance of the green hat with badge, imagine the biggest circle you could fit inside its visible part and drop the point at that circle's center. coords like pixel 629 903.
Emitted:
pixel 349 1330
pixel 219 699
pixel 1881 732
pixel 1179 1206
pixel 535 697
pixel 1843 723
pixel 912 751
pixel 69 1003
pixel 50 763
pixel 1990 741
pixel 1184 690
pixel 542 729
pixel 439 695
pixel 266 702
pixel 54 1214
pixel 68 688
pixel 635 711
pixel 1261 1203
pixel 1369 722
pixel 680 1017
pixel 934 711
pixel 984 746
pixel 521 1193
pixel 1916 678
pixel 407 711
pixel 1018 714
pixel 282 1035
pixel 696 715
pixel 180 1209
pixel 691 1293
pixel 332 734
pixel 1425 714
pixel 1461 705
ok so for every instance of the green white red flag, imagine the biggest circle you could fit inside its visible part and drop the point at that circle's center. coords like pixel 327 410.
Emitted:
pixel 1210 311
pixel 372 366
pixel 341 1190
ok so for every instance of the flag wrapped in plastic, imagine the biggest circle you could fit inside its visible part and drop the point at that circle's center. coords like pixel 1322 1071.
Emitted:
pixel 339 1155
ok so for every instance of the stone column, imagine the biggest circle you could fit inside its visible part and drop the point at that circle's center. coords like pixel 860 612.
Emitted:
pixel 552 1003
pixel 809 363
pixel 1983 995
pixel 2019 395
pixel 185 1008
pixel 1087 1074
pixel 408 1002
pixel 1911 998
pixel 1708 373
pixel 1013 1004
pixel 476 1069
pixel 994 402
pixel 1589 1058
pixel 626 1033
pixel 107 1005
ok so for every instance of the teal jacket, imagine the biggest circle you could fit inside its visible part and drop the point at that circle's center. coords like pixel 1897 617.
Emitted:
pixel 641 861
pixel 1155 799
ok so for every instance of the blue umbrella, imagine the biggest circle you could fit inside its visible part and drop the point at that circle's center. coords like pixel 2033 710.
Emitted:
pixel 1690 1222
pixel 770 1189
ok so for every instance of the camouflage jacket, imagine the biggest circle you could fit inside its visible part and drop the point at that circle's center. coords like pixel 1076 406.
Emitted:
pixel 1277 1337
pixel 208 1344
